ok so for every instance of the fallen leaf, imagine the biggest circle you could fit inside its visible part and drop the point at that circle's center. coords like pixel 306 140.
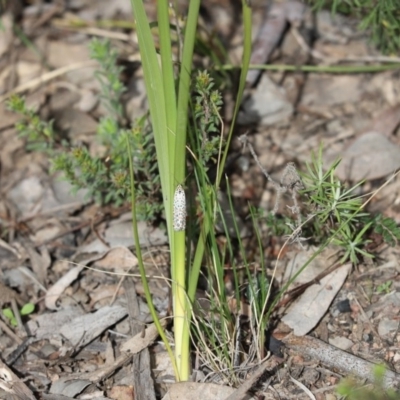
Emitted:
pixel 121 393
pixel 58 288
pixel 312 305
pixel 142 339
pixel 83 329
pixel 195 390
pixel 119 257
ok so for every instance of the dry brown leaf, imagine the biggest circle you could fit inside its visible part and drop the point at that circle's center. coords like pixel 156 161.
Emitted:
pixel 83 329
pixel 7 294
pixel 117 258
pixel 312 305
pixel 58 288
pixel 12 385
pixel 195 391
pixel 141 341
pixel 121 393
pixel 40 262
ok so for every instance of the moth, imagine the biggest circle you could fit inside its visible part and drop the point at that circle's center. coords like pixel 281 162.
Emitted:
pixel 179 216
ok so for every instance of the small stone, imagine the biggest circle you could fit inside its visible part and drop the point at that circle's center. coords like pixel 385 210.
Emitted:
pixel 341 342
pixel 387 325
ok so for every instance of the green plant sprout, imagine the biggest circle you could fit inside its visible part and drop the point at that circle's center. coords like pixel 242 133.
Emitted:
pixel 337 213
pixel 39 134
pixel 27 309
pixel 384 287
pixel 353 243
pixel 206 114
pixel 109 77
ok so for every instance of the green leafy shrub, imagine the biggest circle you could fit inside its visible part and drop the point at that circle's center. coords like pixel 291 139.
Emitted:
pixel 332 210
pixel 105 176
pixel 207 106
pixel 338 212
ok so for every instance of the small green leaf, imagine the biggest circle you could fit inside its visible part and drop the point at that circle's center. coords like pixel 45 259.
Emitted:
pixel 27 309
pixel 7 312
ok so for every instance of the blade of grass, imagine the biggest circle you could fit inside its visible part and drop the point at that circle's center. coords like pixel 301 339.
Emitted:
pixel 206 226
pixel 168 81
pixel 181 305
pixel 247 24
pixel 156 98
pixel 334 69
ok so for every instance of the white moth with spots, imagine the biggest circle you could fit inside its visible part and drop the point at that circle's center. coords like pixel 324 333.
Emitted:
pixel 179 221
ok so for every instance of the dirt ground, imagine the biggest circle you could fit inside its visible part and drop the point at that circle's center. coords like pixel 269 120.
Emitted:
pixel 67 255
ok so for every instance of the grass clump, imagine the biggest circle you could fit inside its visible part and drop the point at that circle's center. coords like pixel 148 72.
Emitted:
pixel 229 321
pixel 230 335
pixel 337 212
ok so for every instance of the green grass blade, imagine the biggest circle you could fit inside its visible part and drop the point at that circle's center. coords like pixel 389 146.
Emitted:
pixel 155 94
pixel 182 311
pixel 184 89
pixel 247 24
pixel 167 77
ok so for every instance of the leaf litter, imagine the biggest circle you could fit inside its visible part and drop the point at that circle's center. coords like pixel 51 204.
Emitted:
pixel 72 264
